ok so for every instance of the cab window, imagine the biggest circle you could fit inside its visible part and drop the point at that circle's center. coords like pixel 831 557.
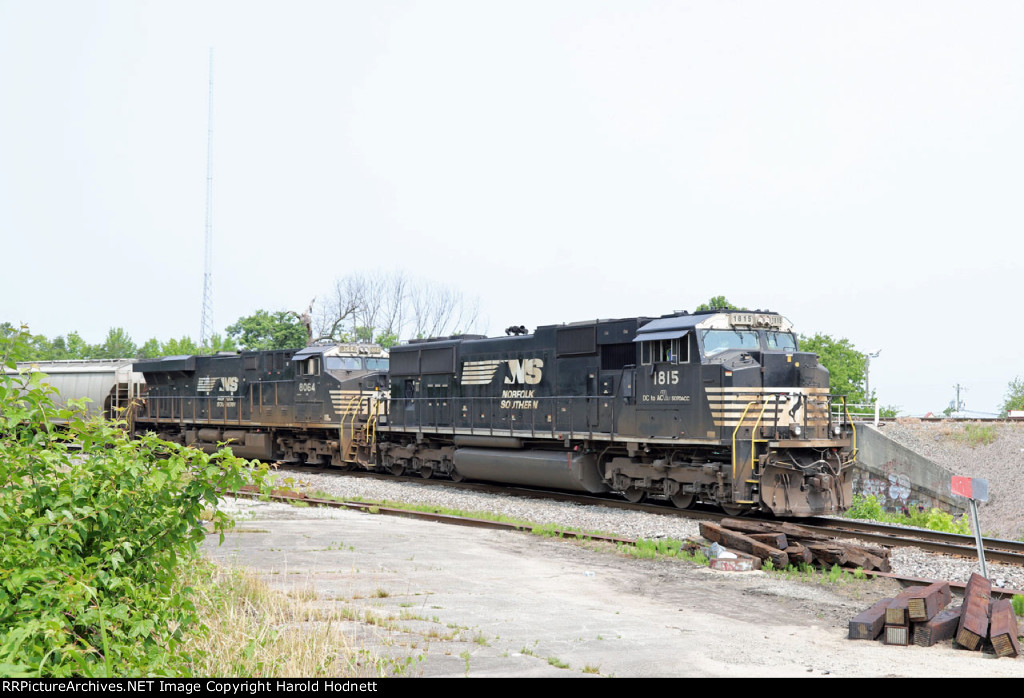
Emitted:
pixel 783 341
pixel 671 351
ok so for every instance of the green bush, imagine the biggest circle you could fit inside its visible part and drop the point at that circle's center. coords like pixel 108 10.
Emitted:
pixel 93 537
pixel 870 509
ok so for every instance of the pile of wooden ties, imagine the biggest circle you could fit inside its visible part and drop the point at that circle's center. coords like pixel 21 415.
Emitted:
pixel 919 615
pixel 785 544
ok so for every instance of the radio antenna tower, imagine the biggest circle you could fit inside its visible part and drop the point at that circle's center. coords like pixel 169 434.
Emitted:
pixel 206 325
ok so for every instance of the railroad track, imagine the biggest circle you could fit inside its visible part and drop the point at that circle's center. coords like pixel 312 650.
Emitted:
pixel 996 550
pixel 562 533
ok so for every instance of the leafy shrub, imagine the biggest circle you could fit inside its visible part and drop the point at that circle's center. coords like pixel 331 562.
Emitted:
pixel 1018 604
pixel 870 509
pixel 94 536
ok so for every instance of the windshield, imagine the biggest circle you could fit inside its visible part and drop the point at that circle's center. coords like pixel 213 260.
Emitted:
pixel 783 341
pixel 716 341
pixel 346 363
pixel 377 364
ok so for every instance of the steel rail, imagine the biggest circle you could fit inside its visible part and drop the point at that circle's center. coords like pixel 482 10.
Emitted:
pixel 561 533
pixel 997 550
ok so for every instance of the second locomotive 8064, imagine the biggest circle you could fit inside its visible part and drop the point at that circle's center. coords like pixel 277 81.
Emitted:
pixel 719 407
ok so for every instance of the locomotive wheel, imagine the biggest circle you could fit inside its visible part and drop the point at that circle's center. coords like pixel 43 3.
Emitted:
pixel 456 476
pixel 732 509
pixel 683 501
pixel 633 495
pixel 426 472
pixel 397 469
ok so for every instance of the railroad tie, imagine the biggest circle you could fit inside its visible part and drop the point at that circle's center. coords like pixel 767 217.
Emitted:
pixel 867 625
pixel 1004 629
pixel 896 611
pixel 929 601
pixel 942 626
pixel 973 626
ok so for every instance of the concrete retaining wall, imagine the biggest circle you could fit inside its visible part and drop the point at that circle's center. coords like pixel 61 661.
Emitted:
pixel 898 477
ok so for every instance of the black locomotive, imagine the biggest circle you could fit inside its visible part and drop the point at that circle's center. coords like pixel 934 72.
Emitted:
pixel 315 405
pixel 719 407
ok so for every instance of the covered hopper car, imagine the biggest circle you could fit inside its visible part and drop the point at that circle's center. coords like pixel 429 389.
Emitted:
pixel 109 386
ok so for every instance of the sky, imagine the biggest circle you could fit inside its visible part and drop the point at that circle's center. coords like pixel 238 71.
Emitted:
pixel 855 166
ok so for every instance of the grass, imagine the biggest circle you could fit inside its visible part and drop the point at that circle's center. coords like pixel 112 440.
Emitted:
pixel 253 630
pixel 557 663
pixel 540 529
pixel 1018 604
pixel 976 435
pixel 664 547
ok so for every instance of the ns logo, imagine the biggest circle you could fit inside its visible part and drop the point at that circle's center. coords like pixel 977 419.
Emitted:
pixel 527 371
pixel 521 371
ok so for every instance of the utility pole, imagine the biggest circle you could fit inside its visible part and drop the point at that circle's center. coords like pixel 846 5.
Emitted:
pixel 958 388
pixel 867 372
pixel 206 322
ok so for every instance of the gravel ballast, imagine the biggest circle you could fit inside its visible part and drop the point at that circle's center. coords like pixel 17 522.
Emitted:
pixel 1001 462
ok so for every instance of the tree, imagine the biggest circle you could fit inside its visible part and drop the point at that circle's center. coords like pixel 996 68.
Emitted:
pixel 219 343
pixel 179 347
pixel 846 366
pixel 383 307
pixel 1014 397
pixel 263 330
pixel 716 303
pixel 150 350
pixel 118 345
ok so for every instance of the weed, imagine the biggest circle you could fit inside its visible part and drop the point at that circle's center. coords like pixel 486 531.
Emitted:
pixel 976 435
pixel 589 669
pixel 557 663
pixel 768 566
pixel 870 508
pixel 481 640
pixel 859 573
pixel 381 593
pixel 1018 604
pixel 465 655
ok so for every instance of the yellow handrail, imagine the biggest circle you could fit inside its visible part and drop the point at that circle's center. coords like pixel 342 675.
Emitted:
pixel 735 431
pixel 853 427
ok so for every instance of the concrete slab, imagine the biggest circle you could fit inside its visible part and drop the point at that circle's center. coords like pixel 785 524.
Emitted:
pixel 476 602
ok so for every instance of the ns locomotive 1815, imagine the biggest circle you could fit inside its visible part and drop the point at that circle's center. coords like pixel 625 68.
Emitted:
pixel 719 407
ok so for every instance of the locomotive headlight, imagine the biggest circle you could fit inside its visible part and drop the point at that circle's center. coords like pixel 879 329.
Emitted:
pixel 837 430
pixel 796 430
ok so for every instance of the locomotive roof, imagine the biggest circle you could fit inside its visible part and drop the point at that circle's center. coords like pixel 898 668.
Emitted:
pixel 674 325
